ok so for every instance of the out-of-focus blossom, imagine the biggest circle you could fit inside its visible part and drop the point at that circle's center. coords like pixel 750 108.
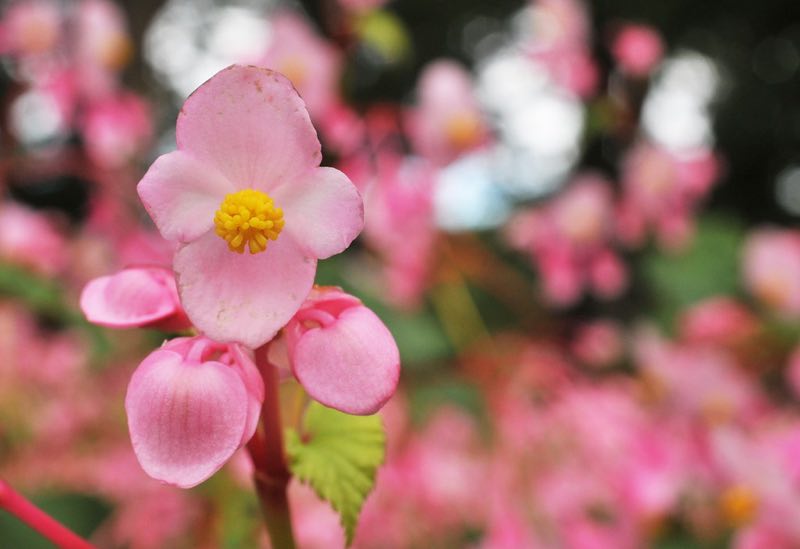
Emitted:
pixel 29 239
pixel 399 224
pixel 30 28
pixel 191 404
pixel 116 129
pixel 246 175
pixel 447 120
pixel 717 321
pixel 771 269
pixel 101 35
pixel 638 49
pixel 307 60
pixel 598 344
pixel 568 240
pixel 134 297
pixel 662 189
pixel 560 42
pixel 341 352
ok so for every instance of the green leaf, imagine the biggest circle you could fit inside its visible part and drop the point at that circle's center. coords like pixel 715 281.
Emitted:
pixel 338 455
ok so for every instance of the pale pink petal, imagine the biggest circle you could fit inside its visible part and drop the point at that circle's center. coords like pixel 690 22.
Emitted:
pixel 352 365
pixel 255 388
pixel 132 297
pixel 185 420
pixel 242 298
pixel 323 211
pixel 251 125
pixel 182 194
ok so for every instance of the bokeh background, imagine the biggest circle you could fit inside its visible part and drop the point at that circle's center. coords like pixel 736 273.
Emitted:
pixel 580 229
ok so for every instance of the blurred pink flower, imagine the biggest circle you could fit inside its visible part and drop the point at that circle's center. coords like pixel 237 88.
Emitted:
pixel 400 225
pixel 191 404
pixel 341 353
pixel 447 120
pixel 771 269
pixel 134 297
pixel 116 129
pixel 663 189
pixel 247 151
pixel 30 27
pixel 101 36
pixel 638 49
pixel 307 60
pixel 599 343
pixel 717 321
pixel 27 238
pixel 569 241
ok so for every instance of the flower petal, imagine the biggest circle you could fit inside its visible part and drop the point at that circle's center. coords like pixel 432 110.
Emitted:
pixel 255 388
pixel 251 125
pixel 185 421
pixel 352 365
pixel 323 211
pixel 242 298
pixel 182 194
pixel 131 297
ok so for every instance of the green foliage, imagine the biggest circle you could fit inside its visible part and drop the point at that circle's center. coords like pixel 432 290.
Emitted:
pixel 709 267
pixel 338 455
pixel 80 513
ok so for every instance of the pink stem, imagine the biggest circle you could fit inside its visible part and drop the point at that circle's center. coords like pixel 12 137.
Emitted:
pixel 16 504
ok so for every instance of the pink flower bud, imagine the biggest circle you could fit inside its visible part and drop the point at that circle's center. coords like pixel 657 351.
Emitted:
pixel 135 297
pixel 638 49
pixel 342 354
pixel 191 404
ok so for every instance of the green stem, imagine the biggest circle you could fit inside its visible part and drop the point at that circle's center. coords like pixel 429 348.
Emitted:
pixel 272 474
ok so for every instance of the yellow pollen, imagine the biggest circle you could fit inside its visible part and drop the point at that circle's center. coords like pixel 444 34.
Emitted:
pixel 463 130
pixel 248 218
pixel 739 505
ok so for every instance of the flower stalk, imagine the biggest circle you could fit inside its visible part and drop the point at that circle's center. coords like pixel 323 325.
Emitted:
pixel 16 504
pixel 266 449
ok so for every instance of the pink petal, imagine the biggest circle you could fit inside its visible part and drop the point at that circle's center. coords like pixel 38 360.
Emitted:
pixel 185 420
pixel 182 194
pixel 132 297
pixel 255 388
pixel 251 125
pixel 242 298
pixel 352 365
pixel 323 211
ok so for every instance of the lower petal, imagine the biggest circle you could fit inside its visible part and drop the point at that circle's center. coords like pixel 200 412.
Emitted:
pixel 185 420
pixel 242 298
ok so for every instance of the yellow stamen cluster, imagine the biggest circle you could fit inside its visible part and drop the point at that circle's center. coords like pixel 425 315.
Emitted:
pixel 248 218
pixel 463 129
pixel 739 505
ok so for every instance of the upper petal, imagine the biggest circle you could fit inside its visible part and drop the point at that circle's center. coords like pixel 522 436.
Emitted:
pixel 182 194
pixel 131 297
pixel 242 298
pixel 323 211
pixel 352 365
pixel 251 125
pixel 185 420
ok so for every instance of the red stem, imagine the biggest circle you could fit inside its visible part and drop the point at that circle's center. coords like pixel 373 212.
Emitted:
pixel 16 504
pixel 272 474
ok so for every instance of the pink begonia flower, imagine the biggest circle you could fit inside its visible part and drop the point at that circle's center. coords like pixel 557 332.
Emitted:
pixel 447 121
pixel 662 189
pixel 31 28
pixel 637 49
pixel 116 129
pixel 560 41
pixel 599 343
pixel 28 238
pixel 191 404
pixel 569 241
pixel 311 63
pixel 341 353
pixel 134 297
pixel 717 321
pixel 771 269
pixel 102 38
pixel 246 175
pixel 400 224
